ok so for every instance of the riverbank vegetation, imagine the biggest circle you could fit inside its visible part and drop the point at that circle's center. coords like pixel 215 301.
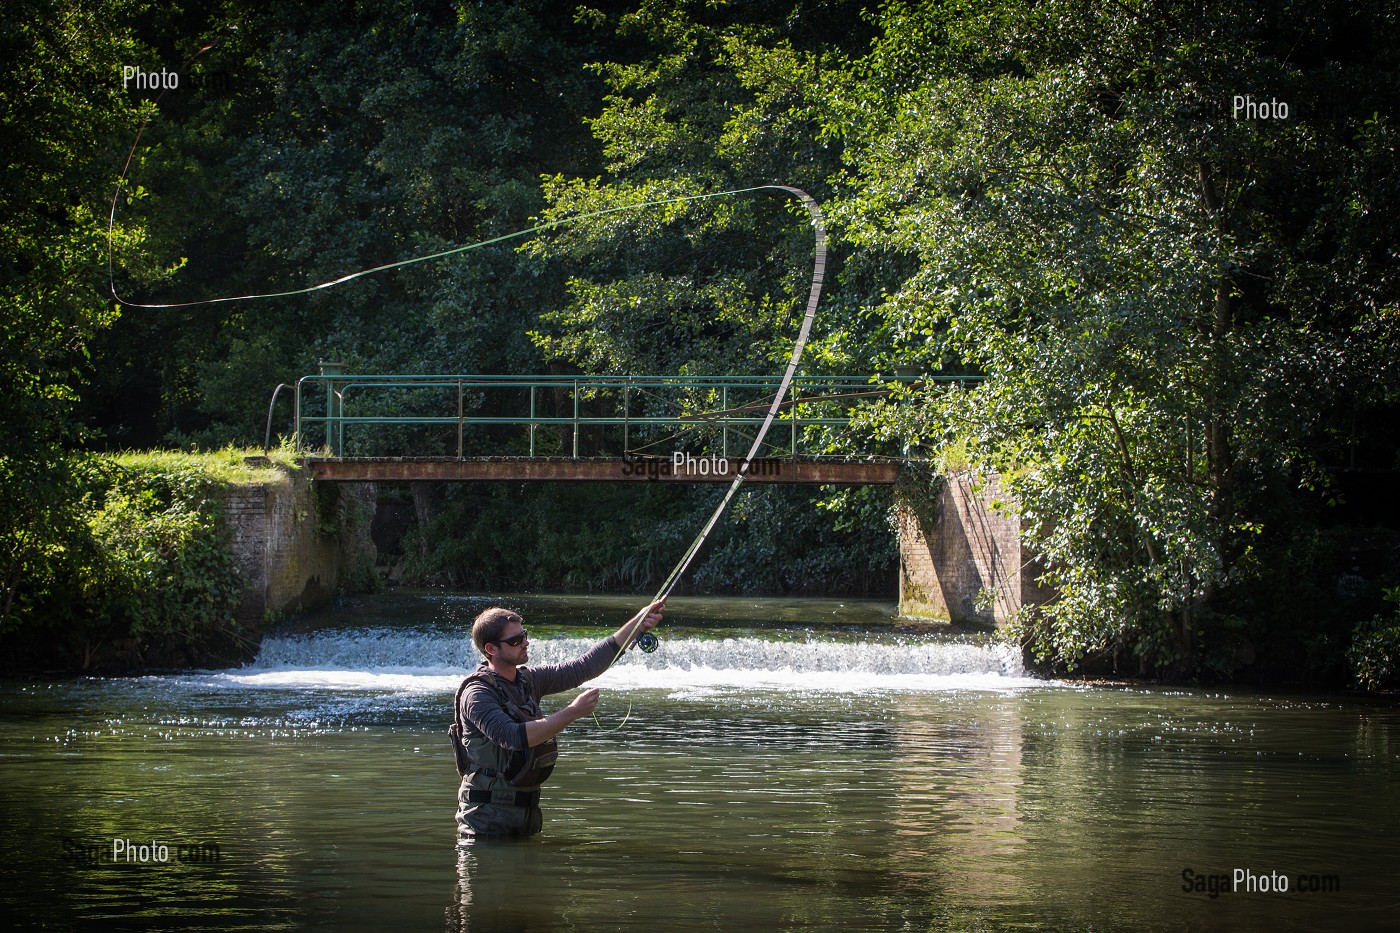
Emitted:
pixel 144 574
pixel 1185 304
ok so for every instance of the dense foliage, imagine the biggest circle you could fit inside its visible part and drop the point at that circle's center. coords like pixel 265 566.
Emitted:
pixel 1375 652
pixel 166 577
pixel 1181 310
pixel 149 577
pixel 600 537
pixel 1187 316
pixel 318 140
pixel 58 98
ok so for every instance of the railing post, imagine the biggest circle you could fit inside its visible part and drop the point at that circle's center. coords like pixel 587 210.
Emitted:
pixel 575 419
pixel 626 406
pixel 724 424
pixel 459 419
pixel 533 386
pixel 335 428
pixel 793 455
pixel 267 435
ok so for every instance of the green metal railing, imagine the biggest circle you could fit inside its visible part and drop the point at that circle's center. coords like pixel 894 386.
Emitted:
pixel 713 411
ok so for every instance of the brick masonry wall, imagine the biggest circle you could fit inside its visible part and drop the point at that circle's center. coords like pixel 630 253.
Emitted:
pixel 292 556
pixel 960 552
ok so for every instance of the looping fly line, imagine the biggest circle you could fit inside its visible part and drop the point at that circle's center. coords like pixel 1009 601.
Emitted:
pixel 818 274
pixel 320 286
pixel 363 273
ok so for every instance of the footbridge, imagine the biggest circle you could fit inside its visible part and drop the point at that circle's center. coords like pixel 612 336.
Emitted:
pixel 686 429
pixel 358 428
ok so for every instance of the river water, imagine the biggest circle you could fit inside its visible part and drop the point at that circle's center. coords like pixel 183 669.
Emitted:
pixel 782 765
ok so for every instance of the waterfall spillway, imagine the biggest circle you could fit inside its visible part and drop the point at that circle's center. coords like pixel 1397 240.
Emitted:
pixel 433 660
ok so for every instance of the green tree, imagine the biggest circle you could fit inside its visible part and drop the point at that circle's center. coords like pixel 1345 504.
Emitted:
pixel 715 101
pixel 335 139
pixel 715 97
pixel 1173 304
pixel 313 141
pixel 66 122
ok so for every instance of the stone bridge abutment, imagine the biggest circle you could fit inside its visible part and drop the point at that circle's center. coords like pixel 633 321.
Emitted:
pixel 962 560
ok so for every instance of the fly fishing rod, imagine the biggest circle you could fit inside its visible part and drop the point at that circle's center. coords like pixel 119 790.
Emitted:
pixel 646 641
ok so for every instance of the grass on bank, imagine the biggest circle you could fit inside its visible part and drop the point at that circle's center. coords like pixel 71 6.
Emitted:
pixel 239 466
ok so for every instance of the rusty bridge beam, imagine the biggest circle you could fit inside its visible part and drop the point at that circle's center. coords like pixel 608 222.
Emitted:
pixel 603 470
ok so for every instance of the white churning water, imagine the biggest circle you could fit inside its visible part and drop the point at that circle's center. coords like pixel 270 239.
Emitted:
pixel 430 661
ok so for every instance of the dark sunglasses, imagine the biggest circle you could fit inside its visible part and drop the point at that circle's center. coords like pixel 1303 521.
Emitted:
pixel 515 641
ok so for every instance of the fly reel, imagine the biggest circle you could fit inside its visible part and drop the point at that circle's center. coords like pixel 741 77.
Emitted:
pixel 647 642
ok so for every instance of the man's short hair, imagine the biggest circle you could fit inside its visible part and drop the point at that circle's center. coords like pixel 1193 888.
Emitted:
pixel 490 624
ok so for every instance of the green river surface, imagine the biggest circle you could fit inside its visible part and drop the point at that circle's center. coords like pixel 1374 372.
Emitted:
pixel 783 765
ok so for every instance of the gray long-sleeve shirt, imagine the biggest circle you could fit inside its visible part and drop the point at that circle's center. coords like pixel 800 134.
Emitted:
pixel 482 710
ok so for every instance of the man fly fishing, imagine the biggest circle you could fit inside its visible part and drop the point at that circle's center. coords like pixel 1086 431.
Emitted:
pixel 505 747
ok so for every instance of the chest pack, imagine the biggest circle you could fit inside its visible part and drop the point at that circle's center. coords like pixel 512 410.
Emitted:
pixel 474 751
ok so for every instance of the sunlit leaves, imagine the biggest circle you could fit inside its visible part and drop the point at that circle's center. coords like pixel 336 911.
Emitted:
pixel 1135 272
pixel 64 114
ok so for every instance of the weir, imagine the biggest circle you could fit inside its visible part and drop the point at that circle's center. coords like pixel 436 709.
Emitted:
pixel 432 660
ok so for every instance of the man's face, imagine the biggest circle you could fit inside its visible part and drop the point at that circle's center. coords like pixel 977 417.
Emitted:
pixel 513 654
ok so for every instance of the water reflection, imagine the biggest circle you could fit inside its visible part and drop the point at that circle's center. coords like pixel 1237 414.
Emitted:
pixel 836 796
pixel 502 885
pixel 957 820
